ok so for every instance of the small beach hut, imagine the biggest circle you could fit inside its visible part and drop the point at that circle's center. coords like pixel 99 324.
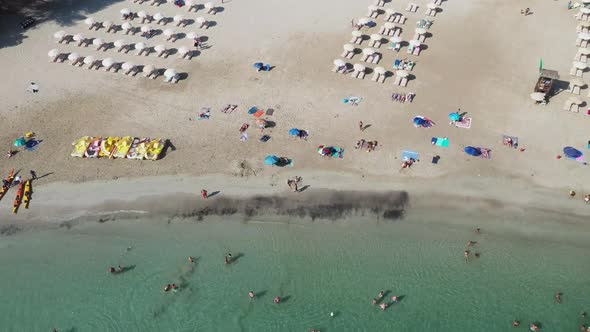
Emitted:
pixel 545 83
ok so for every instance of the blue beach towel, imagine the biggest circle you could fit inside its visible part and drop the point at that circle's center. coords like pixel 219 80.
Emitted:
pixel 407 155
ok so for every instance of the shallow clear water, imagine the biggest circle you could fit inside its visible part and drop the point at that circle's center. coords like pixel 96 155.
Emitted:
pixel 58 278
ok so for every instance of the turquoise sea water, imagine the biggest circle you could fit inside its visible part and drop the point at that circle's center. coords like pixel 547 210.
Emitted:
pixel 58 278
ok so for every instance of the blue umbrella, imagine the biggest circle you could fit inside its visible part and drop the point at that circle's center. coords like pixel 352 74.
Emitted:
pixel 470 150
pixel 258 65
pixel 572 152
pixel 455 116
pixel 419 121
pixel 271 160
pixel 294 132
pixel 20 142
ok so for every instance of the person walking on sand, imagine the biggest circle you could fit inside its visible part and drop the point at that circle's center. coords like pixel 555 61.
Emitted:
pixel 204 194
pixel 33 175
pixel 361 126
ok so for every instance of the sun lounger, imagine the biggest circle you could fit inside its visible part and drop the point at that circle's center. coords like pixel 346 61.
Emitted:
pixel 438 2
pixel 464 123
pixel 375 58
pixel 416 50
pixel 397 80
pixel 412 7
pixel 356 40
pixel 375 77
pixel 576 90
pixel 421 38
pixel 404 82
pixel 431 12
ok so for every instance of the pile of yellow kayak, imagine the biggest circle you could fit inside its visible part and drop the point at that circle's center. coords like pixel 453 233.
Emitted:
pixel 118 147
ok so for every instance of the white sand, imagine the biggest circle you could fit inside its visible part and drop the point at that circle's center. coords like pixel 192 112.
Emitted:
pixel 483 57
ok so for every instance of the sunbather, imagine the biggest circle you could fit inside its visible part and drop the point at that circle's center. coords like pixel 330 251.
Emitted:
pixel 244 127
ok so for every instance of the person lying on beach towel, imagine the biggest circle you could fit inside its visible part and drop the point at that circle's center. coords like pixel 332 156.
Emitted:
pixel 204 115
pixel 244 127
pixel 352 100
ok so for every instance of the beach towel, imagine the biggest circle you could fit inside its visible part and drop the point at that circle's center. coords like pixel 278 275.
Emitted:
pixel 407 155
pixel 270 111
pixel 464 123
pixel 244 137
pixel 441 141
pixel 352 100
pixel 264 138
pixel 258 113
pixel 204 115
pixel 485 153
pixel 32 145
pixel 252 110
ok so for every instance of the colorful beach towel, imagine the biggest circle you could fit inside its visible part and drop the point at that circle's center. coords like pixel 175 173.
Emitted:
pixel 252 110
pixel 407 155
pixel 258 113
pixel 352 100
pixel 464 123
pixel 32 144
pixel 441 141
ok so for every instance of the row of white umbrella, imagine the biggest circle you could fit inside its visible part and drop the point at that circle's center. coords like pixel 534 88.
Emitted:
pixel 188 3
pixel 91 22
pixel 390 11
pixel 138 46
pixel 59 35
pixel 378 70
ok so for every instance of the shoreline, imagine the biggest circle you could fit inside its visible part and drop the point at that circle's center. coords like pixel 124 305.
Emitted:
pixel 326 194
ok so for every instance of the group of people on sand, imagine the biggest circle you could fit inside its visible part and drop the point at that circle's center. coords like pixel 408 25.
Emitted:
pixel 384 305
pixel 368 145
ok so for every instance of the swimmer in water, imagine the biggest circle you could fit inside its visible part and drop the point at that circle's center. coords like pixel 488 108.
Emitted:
pixel 277 300
pixel 516 323
pixel 374 301
pixel 534 327
pixel 476 255
pixel 383 306
pixel 466 254
pixel 228 259
pixel 558 297
pixel 470 243
pixel 129 248
pixel 381 294
pixel 120 269
pixel 251 294
pixel 477 230
pixel 112 270
pixel 167 288
pixel 190 259
pixel 174 287
pixel 394 299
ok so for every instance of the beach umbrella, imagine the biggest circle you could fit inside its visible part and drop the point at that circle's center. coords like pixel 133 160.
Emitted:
pixel 580 65
pixel 108 62
pixel 395 39
pixel 21 141
pixel 178 18
pixel 585 10
pixel 431 6
pixel 89 21
pixel 209 5
pixel 78 37
pixel 107 23
pixel 97 41
pixel 271 160
pixel 182 50
pixel 168 32
pixel 141 14
pixel 584 24
pixel 146 28
pixel 575 100
pixel 89 59
pixel 201 20
pixel 402 73
pixel 159 48
pixel 191 35
pixel 368 51
pixel 577 82
pixel 584 35
pixel 169 73
pixel 158 16
pixel 373 8
pixel 356 33
pixel 125 11
pixel 380 70
pixel 73 56
pixel 148 69
pixel 470 150
pixel 419 121
pixel 126 26
pixel 584 51
pixel 568 151
pixel 294 132
pixel 364 20
pixel 139 46
pixel 119 43
pixel 420 31
pixel 348 47
pixel 127 65
pixel 455 116
pixel 585 1
pixel 190 3
pixel 59 35
pixel 54 52
pixel 414 42
pixel 359 67
pixel 390 11
pixel 538 96
pixel 339 62
pixel 376 37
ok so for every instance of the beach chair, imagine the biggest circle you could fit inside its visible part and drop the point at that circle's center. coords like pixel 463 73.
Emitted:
pixel 375 58
pixel 110 26
pixel 416 50
pixel 365 58
pixel 384 31
pixel 381 78
pixel 575 90
pixel 348 55
pixel 420 38
pixel 410 49
pixel 412 7
pixel 397 80
pixel 431 12
pixel 584 43
pixel 373 13
pixel 79 61
pixel 380 3
pixel 375 77
pixel 438 2
pixel 403 82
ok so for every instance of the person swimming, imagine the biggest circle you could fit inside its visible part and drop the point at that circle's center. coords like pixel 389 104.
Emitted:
pixel 394 298
pixel 470 243
pixel 228 259
pixel 476 255
pixel 381 294
pixel 174 287
pixel 190 259
pixel 251 294
pixel 167 288
pixel 383 306
pixel 534 327
pixel 516 323
pixel 374 301
pixel 466 254
pixel 112 270
pixel 558 297
pixel 277 299
pixel 120 269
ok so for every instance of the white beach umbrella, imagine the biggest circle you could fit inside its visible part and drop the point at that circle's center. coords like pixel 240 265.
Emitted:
pixel 431 6
pixel 575 100
pixel 53 52
pixel 390 11
pixel 359 67
pixel 190 3
pixel 209 5
pixel 364 20
pixel 178 18
pixel 107 23
pixel 59 35
pixel 126 26
pixel 380 70
pixel 414 42
pixel 537 96
pixel 107 62
pixel 585 1
pixel 395 39
pixel 584 24
pixel 182 50
pixel 73 56
pixel 89 59
pixel 373 8
pixel 580 65
pixel 584 51
pixel 585 10
pixel 584 36
pixel 368 51
pixel 148 68
pixel 577 82
pixel 78 37
pixel 119 43
pixel 125 11
pixel 191 35
pixel 356 33
pixel 376 37
pixel 168 32
pixel 141 14
pixel 146 28
pixel 402 73
pixel 127 65
pixel 169 73
pixel 389 25
pixel 339 62
pixel 139 46
pixel 159 48
pixel 97 41
pixel 158 16
pixel 201 20
pixel 420 31
pixel 89 21
pixel 348 47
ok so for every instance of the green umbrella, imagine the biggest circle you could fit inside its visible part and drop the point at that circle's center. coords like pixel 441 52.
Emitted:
pixel 21 141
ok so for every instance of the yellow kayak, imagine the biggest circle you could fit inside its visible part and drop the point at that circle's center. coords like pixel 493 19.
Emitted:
pixel 107 146
pixel 80 146
pixel 27 194
pixel 122 147
pixel 154 149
